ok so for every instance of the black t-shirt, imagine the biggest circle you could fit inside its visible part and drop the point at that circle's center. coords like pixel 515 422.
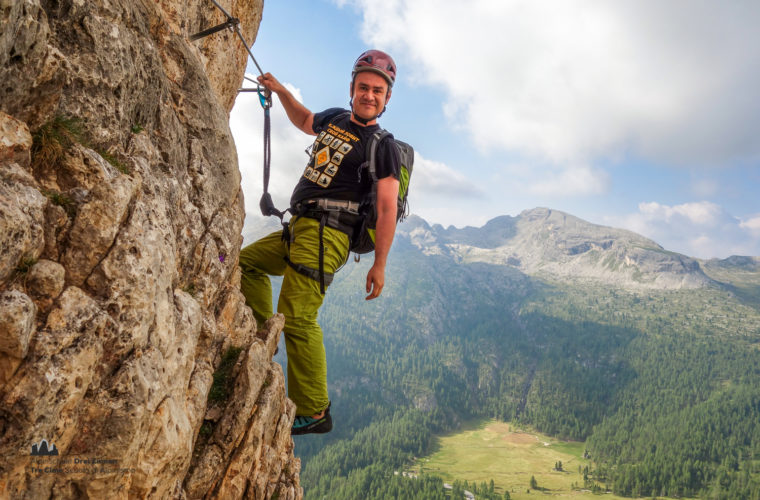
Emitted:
pixel 334 170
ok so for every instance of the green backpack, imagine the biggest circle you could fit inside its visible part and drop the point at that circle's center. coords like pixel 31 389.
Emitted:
pixel 364 238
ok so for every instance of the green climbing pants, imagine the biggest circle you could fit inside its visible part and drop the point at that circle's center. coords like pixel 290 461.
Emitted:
pixel 300 299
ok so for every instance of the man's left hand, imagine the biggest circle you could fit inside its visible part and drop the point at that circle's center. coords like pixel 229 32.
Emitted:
pixel 375 281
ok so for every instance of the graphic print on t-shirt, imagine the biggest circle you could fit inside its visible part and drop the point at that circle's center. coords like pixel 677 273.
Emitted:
pixel 323 157
pixel 324 180
pixel 329 150
pixel 331 169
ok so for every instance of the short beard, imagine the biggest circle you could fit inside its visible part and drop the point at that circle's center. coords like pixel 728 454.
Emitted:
pixel 364 121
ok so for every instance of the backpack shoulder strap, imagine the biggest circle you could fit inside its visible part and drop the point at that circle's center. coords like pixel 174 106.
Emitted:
pixel 375 139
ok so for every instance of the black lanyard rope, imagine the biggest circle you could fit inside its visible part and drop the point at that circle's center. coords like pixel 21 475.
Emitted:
pixel 265 98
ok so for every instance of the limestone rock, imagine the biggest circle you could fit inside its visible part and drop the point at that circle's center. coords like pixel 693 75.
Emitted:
pixel 17 312
pixel 15 140
pixel 46 279
pixel 248 452
pixel 29 66
pixel 80 167
pixel 8 366
pixel 22 206
pixel 119 243
pixel 55 230
pixel 96 225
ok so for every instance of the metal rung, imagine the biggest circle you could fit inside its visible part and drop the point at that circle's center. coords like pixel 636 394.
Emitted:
pixel 229 24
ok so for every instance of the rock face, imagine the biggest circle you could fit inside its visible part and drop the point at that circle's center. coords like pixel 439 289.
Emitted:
pixel 120 222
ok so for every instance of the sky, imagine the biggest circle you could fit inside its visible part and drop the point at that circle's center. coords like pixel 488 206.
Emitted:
pixel 638 114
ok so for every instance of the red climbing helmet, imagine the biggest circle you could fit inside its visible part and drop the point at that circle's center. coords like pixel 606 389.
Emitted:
pixel 378 62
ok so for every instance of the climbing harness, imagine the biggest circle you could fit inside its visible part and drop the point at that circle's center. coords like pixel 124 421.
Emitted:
pixel 342 215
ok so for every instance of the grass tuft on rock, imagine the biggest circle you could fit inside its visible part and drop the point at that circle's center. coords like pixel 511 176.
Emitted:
pixel 52 139
pixel 63 201
pixel 114 161
pixel 222 385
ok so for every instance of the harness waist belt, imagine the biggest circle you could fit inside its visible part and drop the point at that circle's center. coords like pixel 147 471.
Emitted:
pixel 342 215
pixel 328 204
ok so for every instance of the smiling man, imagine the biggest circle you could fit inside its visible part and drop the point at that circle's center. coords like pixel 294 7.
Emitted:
pixel 326 204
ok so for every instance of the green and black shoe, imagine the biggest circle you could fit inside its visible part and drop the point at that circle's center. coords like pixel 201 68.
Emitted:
pixel 309 425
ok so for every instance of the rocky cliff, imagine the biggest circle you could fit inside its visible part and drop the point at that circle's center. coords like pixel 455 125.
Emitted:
pixel 125 343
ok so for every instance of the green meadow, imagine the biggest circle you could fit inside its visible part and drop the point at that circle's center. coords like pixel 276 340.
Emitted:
pixel 487 450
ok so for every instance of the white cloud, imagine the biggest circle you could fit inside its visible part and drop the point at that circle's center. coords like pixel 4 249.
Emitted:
pixel 435 179
pixel 699 229
pixel 440 194
pixel 703 213
pixel 576 180
pixel 752 224
pixel 676 82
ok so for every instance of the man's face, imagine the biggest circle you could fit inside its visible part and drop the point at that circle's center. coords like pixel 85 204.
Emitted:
pixel 370 94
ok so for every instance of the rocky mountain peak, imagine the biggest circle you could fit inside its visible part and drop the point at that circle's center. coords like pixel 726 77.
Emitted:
pixel 125 342
pixel 551 243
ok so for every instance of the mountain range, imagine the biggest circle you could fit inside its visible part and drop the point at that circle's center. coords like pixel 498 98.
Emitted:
pixel 552 244
pixel 578 330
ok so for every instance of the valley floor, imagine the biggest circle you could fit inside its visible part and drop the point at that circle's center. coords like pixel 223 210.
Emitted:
pixel 490 450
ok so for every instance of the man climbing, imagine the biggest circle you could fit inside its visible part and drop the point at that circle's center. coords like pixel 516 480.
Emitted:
pixel 316 243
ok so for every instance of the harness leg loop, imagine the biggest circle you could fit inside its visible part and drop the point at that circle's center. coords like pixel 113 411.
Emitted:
pixel 322 222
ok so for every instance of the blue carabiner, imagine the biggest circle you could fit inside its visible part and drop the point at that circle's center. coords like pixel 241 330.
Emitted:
pixel 265 98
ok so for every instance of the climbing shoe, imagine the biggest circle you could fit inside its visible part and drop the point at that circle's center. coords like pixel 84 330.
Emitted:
pixel 309 425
